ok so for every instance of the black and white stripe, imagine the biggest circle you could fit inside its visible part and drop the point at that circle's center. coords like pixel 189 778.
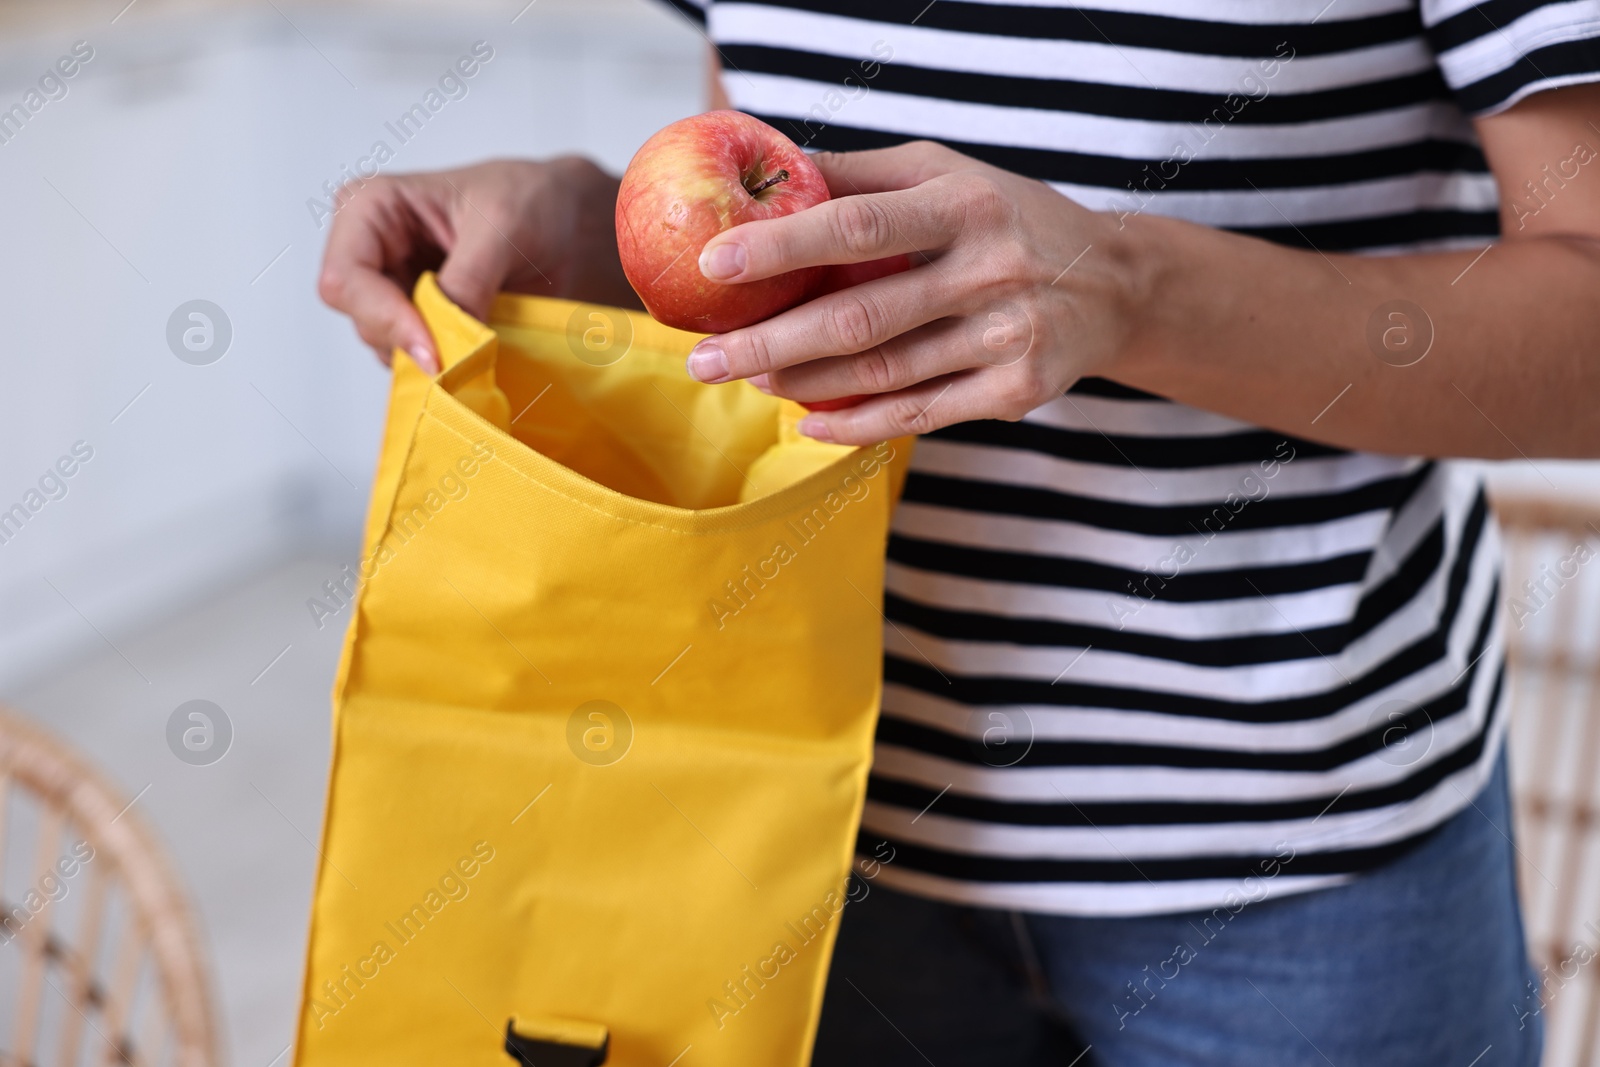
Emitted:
pixel 1134 649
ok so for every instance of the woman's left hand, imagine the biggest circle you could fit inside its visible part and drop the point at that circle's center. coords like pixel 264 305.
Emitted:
pixel 1015 293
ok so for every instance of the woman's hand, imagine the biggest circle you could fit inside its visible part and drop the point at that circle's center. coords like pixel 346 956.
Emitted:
pixel 528 227
pixel 1005 307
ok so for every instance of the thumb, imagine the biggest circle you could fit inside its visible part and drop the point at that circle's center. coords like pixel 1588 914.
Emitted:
pixel 477 266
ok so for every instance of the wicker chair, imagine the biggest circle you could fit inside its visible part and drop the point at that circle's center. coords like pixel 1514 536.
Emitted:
pixel 1552 604
pixel 100 959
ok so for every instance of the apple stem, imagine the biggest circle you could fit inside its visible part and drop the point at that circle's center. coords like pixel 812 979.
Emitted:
pixel 781 176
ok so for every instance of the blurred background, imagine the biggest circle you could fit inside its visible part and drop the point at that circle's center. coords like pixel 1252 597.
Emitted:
pixel 210 502
pixel 220 498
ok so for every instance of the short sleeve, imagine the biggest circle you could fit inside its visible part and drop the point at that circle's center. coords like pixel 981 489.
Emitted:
pixel 1495 53
pixel 693 10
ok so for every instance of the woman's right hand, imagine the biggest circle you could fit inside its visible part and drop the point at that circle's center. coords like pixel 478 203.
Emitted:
pixel 545 228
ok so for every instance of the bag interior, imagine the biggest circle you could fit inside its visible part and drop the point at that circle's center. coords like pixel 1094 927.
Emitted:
pixel 640 426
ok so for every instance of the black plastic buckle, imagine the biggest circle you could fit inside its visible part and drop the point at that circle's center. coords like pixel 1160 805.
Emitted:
pixel 537 1052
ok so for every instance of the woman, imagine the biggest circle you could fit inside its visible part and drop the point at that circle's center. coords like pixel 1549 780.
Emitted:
pixel 1192 737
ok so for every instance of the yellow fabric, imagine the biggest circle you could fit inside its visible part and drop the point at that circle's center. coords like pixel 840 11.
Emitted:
pixel 569 556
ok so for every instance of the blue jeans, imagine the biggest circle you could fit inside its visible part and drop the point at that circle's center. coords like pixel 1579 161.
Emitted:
pixel 1420 963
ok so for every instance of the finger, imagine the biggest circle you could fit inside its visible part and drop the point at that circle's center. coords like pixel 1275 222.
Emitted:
pixel 939 348
pixel 385 318
pixel 353 281
pixel 478 264
pixel 879 170
pixel 851 320
pixel 852 229
pixel 923 408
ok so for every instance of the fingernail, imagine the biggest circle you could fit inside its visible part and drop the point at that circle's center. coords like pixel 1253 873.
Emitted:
pixel 723 262
pixel 708 363
pixel 760 382
pixel 814 428
pixel 424 358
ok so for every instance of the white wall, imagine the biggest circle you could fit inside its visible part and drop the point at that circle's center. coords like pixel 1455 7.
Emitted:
pixel 177 167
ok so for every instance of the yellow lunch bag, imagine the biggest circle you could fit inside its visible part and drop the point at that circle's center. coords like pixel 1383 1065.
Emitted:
pixel 605 711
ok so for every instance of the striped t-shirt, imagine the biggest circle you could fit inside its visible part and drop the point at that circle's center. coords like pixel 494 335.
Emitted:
pixel 1140 657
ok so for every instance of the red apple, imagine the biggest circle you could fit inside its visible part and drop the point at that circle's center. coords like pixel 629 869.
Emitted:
pixel 844 275
pixel 836 404
pixel 693 180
